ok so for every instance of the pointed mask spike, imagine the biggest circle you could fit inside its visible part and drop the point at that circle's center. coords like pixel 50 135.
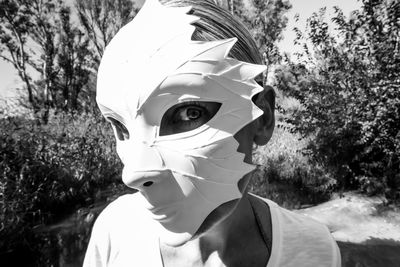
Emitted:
pixel 219 52
pixel 243 71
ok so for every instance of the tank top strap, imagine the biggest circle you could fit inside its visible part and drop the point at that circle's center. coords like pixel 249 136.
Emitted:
pixel 263 219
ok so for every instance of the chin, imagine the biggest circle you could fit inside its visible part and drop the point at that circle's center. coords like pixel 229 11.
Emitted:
pixel 170 236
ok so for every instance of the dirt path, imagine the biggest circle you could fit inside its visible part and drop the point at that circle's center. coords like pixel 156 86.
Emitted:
pixel 368 231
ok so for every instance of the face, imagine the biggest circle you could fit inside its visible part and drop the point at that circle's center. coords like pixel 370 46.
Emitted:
pixel 179 153
pixel 169 196
pixel 176 106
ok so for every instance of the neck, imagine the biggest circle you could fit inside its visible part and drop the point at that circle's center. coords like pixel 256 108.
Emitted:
pixel 231 227
pixel 231 240
pixel 232 231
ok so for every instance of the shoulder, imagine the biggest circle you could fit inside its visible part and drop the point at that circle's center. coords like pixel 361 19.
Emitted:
pixel 126 207
pixel 123 217
pixel 298 240
pixel 122 229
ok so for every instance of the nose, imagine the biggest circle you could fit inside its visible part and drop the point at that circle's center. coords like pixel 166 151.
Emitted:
pixel 143 165
pixel 142 180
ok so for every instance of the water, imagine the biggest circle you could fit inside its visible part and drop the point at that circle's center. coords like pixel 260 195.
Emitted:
pixel 63 245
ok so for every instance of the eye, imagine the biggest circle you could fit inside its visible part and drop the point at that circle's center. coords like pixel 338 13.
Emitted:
pixel 120 130
pixel 187 116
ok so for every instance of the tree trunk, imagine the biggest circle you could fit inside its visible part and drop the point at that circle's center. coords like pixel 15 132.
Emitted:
pixel 29 88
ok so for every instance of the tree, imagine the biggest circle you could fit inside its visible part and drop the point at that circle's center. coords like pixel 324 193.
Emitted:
pixel 38 35
pixel 43 33
pixel 266 20
pixel 73 62
pixel 15 26
pixel 101 19
pixel 348 84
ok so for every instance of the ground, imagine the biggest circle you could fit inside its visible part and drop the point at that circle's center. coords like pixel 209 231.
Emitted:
pixel 367 229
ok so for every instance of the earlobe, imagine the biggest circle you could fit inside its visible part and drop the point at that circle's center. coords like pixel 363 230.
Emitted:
pixel 266 123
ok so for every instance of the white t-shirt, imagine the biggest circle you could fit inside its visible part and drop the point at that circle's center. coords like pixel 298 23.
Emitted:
pixel 122 236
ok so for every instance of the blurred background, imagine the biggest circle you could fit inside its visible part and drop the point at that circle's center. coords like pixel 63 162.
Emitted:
pixel 334 155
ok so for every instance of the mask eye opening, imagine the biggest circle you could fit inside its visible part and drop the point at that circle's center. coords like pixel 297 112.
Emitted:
pixel 120 130
pixel 187 116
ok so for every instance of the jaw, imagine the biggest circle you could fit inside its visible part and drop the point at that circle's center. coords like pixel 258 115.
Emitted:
pixel 211 229
pixel 223 226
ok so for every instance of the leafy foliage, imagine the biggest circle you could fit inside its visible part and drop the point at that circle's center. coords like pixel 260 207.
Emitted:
pixel 266 20
pixel 49 170
pixel 38 36
pixel 55 60
pixel 287 176
pixel 14 28
pixel 348 84
pixel 101 19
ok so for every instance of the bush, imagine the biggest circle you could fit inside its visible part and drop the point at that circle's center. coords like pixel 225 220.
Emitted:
pixel 48 171
pixel 348 86
pixel 287 176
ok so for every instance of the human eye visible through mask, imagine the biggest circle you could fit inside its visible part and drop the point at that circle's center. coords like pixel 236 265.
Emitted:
pixel 187 116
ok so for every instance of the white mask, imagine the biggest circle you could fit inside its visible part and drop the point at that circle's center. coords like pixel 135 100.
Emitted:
pixel 152 65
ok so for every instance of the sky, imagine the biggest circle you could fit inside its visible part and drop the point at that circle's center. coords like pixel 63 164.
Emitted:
pixel 305 8
pixel 9 79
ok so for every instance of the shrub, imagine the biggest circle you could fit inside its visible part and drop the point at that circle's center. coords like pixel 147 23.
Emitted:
pixel 348 86
pixel 49 170
pixel 286 175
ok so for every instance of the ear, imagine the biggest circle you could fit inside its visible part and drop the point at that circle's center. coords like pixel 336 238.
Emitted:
pixel 265 124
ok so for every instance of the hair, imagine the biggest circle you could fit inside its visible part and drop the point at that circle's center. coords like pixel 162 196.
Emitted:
pixel 217 23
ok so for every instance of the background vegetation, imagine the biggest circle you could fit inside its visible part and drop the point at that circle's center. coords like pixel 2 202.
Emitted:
pixel 338 109
pixel 348 86
pixel 48 171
